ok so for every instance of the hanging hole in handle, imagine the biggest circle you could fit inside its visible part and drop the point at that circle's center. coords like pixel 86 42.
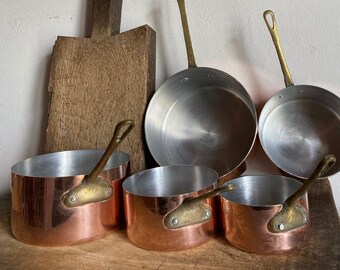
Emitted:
pixel 327 166
pixel 123 129
pixel 271 23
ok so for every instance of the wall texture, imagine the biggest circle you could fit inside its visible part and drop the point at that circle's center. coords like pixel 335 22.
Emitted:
pixel 227 35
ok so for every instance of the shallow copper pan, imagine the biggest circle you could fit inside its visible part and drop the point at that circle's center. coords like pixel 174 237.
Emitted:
pixel 151 194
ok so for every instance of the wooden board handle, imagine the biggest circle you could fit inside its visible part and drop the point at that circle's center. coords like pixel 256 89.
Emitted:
pixel 106 17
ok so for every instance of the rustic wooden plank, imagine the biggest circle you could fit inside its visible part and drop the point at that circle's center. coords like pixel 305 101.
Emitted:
pixel 116 252
pixel 97 82
pixel 94 86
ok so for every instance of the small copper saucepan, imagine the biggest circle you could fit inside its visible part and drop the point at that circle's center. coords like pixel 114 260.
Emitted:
pixel 149 195
pixel 53 204
pixel 260 214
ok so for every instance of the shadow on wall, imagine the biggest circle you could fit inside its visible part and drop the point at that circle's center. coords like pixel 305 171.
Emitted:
pixel 45 66
pixel 158 20
pixel 239 47
pixel 88 19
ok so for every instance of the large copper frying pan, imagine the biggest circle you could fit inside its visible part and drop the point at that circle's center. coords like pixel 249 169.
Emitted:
pixel 201 116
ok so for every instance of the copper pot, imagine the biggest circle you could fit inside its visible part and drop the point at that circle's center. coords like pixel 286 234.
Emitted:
pixel 260 214
pixel 57 200
pixel 151 194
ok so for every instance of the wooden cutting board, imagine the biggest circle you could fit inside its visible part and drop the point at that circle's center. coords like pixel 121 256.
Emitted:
pixel 96 82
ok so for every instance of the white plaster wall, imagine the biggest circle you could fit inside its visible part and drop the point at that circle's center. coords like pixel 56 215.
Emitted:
pixel 228 35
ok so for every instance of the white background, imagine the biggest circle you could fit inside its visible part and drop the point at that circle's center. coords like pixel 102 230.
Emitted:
pixel 228 35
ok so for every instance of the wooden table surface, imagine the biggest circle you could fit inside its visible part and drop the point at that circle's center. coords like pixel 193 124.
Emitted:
pixel 117 252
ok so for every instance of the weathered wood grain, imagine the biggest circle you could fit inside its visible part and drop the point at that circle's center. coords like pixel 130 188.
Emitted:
pixel 117 252
pixel 97 82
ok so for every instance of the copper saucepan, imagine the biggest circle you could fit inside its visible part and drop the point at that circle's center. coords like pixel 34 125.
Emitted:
pixel 149 195
pixel 260 214
pixel 53 204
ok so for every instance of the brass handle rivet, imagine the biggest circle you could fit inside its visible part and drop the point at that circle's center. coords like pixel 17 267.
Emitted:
pixel 207 213
pixel 175 221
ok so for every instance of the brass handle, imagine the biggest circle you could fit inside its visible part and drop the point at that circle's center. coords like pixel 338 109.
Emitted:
pixel 93 188
pixel 275 37
pixel 186 32
pixel 193 210
pixel 291 215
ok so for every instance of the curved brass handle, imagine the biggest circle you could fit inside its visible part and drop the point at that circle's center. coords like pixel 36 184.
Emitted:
pixel 193 210
pixel 93 188
pixel 275 37
pixel 186 32
pixel 119 135
pixel 291 215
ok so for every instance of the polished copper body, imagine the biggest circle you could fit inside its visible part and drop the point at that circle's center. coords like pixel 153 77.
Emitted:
pixel 145 225
pixel 246 227
pixel 145 214
pixel 40 218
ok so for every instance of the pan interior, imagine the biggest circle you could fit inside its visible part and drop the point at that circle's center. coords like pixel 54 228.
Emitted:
pixel 170 181
pixel 201 120
pixel 207 128
pixel 67 163
pixel 299 132
pixel 261 190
